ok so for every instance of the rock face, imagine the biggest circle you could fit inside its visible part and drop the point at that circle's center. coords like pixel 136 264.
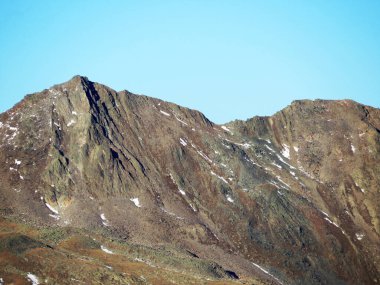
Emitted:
pixel 288 199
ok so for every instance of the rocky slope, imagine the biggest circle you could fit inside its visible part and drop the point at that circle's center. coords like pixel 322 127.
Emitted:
pixel 287 199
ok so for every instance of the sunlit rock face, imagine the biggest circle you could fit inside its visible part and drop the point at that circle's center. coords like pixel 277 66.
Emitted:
pixel 287 199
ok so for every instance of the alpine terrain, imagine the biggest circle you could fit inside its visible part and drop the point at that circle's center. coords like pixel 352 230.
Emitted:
pixel 106 187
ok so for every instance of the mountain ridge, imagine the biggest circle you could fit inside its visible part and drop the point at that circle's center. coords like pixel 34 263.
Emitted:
pixel 270 196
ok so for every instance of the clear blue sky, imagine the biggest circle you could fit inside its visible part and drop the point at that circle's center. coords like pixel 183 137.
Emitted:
pixel 228 59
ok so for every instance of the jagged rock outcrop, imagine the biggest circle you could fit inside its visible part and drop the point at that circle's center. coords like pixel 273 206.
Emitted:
pixel 292 198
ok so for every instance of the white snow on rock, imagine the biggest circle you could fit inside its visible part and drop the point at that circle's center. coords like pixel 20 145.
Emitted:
pixel 32 278
pixel 106 250
pixel 182 142
pixel 172 214
pixel 229 199
pixel 179 120
pixel 359 236
pixel 136 202
pixel 331 222
pixel 279 179
pixel 227 129
pixel 361 189
pixel 226 146
pixel 324 213
pixel 51 208
pixel 72 122
pixel 284 162
pixel 268 147
pixel 105 222
pixel 74 113
pixel 245 145
pixel 353 148
pixel 204 156
pixel 1 279
pixel 296 148
pixel 285 151
pixel 267 272
pixel 220 177
pixel 179 189
pixel 17 162
pixel 56 217
pixel 278 166
pixel 164 113
pixel 192 207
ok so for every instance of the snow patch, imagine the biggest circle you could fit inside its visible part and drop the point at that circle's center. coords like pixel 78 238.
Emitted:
pixel 353 148
pixel 192 207
pixel 164 113
pixel 359 236
pixel 204 156
pixel 51 208
pixel 278 166
pixel 279 179
pixel 182 142
pixel 179 189
pixel 32 278
pixel 72 122
pixel 56 217
pixel 324 213
pixel 136 202
pixel 105 222
pixel 296 148
pixel 179 120
pixel 227 129
pixel 244 145
pixel 331 222
pixel 220 177
pixel 285 151
pixel 17 162
pixel 268 147
pixel 182 192
pixel 106 250
pixel 267 272
pixel 74 113
pixel 361 189
pixel 284 162
pixel 229 199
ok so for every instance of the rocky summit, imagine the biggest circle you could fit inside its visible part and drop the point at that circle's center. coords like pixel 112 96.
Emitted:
pixel 106 187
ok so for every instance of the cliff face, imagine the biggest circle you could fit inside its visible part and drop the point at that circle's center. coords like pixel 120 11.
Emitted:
pixel 292 198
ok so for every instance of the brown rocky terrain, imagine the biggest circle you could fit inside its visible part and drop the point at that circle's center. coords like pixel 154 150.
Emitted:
pixel 106 187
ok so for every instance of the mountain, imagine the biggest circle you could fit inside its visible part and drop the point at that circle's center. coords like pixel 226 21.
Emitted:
pixel 106 187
